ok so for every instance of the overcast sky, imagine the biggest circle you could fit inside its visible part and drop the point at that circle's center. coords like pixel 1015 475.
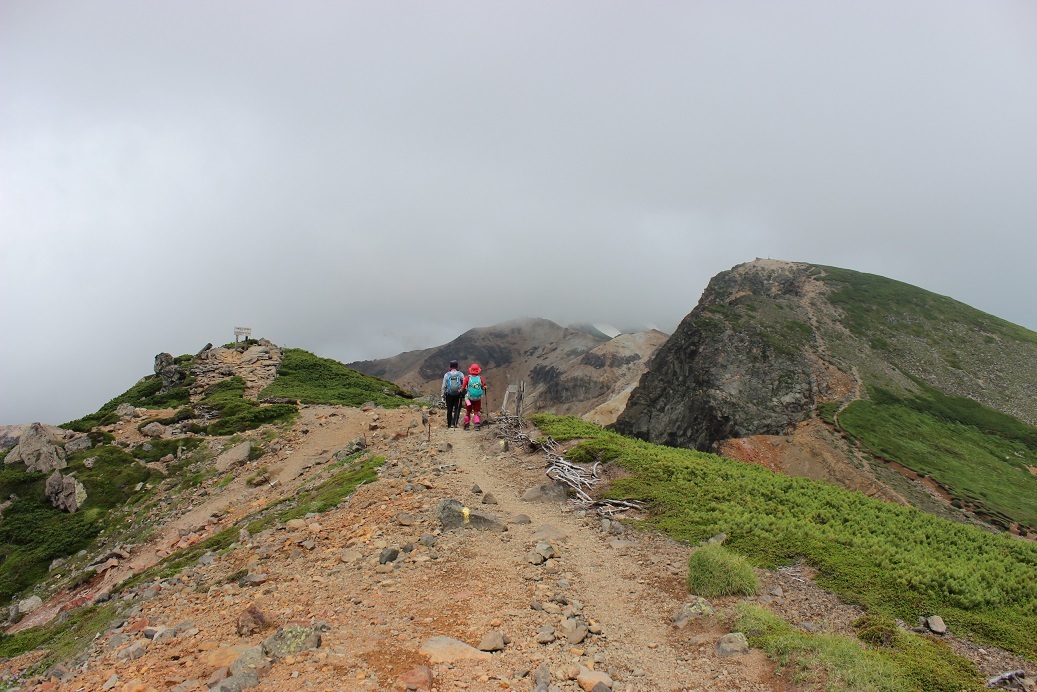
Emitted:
pixel 360 179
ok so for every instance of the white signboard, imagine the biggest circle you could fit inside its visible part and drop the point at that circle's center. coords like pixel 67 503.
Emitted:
pixel 242 331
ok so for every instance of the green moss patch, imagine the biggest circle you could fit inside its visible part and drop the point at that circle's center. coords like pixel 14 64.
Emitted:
pixel 145 394
pixel 899 661
pixel 236 413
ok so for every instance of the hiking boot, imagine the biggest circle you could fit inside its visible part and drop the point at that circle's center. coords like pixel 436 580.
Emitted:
pixel 478 425
pixel 466 426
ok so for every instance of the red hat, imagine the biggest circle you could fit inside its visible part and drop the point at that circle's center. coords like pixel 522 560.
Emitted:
pixel 475 369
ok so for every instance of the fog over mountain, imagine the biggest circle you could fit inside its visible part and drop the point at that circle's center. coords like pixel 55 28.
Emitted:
pixel 361 179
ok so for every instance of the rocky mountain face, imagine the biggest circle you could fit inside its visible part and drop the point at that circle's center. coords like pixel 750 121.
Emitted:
pixel 565 370
pixel 770 341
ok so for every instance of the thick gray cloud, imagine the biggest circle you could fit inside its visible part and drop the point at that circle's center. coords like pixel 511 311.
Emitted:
pixel 364 178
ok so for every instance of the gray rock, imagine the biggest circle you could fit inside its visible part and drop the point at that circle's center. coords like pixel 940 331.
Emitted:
pixel 405 519
pixel 37 451
pixel 492 641
pixel 64 492
pixel 453 515
pixel 233 457
pixel 549 532
pixel 111 682
pixel 489 499
pixel 290 640
pixel 78 444
pixel 707 385
pixel 357 445
pixel 440 649
pixel 132 652
pixel 428 540
pixel 252 660
pixel 237 683
pixel 520 519
pixel 695 608
pixel 126 410
pixel 154 429
pixel 936 624
pixel 542 675
pixel 732 645
pixel 476 489
pixel 555 491
pixel 388 555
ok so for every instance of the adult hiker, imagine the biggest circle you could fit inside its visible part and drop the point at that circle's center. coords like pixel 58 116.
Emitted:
pixel 453 388
pixel 475 390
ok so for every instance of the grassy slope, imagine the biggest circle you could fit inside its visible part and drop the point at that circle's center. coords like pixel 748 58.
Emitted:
pixel 33 533
pixel 941 349
pixel 315 380
pixel 895 561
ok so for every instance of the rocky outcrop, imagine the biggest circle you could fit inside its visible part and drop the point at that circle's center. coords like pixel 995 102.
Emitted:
pixel 37 450
pixel 65 492
pixel 721 375
pixel 172 374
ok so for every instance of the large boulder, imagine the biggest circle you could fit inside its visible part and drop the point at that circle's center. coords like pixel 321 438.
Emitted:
pixel 78 444
pixel 65 492
pixel 37 450
pixel 233 457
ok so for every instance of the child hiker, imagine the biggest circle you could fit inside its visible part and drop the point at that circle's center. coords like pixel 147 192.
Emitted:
pixel 453 387
pixel 475 389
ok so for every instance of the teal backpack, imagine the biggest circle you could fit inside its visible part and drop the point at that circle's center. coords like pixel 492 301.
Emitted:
pixel 475 387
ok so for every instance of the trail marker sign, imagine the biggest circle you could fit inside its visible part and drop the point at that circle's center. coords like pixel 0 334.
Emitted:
pixel 242 331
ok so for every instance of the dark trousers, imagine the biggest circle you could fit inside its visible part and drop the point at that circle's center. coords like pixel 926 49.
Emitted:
pixel 453 409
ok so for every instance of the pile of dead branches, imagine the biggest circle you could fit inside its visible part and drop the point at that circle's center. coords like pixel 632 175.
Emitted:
pixel 579 478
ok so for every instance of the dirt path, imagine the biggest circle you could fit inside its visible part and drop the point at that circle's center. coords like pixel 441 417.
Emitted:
pixel 461 583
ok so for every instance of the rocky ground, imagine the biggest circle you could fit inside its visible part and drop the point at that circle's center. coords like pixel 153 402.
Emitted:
pixel 381 593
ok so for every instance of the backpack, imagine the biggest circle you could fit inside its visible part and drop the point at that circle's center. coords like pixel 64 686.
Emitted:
pixel 454 378
pixel 474 387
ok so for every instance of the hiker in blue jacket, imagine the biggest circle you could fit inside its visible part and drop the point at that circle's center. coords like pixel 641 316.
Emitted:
pixel 453 387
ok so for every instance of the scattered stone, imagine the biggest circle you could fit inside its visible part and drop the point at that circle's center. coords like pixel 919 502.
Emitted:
pixel 545 549
pixel 489 499
pixel 237 683
pixel 732 644
pixel 25 606
pixel 547 532
pixel 154 429
pixel 695 608
pixel 253 660
pixel 419 679
pixel 556 491
pixel 476 489
pixel 936 624
pixel 291 640
pixel 132 652
pixel 444 447
pixel 111 682
pixel 535 558
pixel 428 540
pixel 441 649
pixel 405 519
pixel 295 524
pixel 252 619
pixel 492 641
pixel 453 515
pixel 589 680
pixel 388 555
pixel 357 445
pixel 520 519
